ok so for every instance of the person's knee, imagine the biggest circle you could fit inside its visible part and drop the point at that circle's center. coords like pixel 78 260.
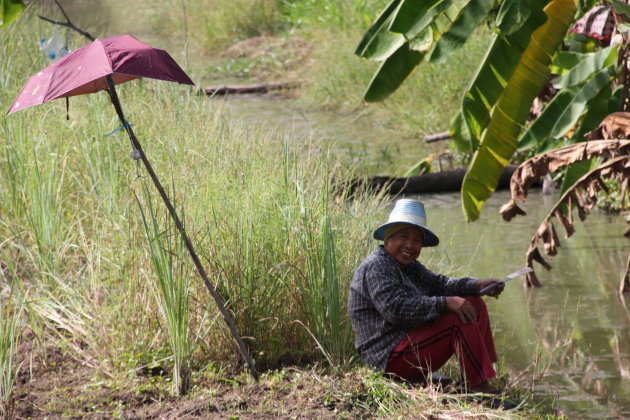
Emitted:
pixel 478 303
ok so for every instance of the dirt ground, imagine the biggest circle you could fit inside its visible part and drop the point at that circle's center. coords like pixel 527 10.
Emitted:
pixel 53 385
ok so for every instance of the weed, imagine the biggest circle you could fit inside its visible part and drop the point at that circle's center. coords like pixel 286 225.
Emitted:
pixel 10 331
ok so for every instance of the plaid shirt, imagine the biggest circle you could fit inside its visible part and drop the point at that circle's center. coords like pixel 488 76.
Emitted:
pixel 386 300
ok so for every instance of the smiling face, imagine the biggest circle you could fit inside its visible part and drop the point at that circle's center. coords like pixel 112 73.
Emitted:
pixel 405 245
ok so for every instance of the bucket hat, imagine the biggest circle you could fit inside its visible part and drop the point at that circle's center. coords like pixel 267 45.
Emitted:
pixel 408 211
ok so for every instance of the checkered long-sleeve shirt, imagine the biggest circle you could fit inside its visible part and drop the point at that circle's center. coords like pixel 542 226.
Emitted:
pixel 386 300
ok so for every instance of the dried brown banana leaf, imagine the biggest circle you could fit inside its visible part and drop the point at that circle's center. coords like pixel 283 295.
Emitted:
pixel 538 166
pixel 614 126
pixel 583 195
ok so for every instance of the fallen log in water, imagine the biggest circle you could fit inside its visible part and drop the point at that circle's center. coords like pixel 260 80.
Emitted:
pixel 446 181
pixel 244 89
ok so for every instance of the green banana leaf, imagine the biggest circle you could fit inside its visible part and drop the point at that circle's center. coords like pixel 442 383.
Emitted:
pixel 542 127
pixel 469 17
pixel 378 43
pixel 400 54
pixel 423 166
pixel 392 73
pixel 415 16
pixel 574 109
pixel 565 61
pixel 499 139
pixel 423 41
pixel 9 11
pixel 421 25
pixel 606 102
pixel 512 15
pixel 590 64
pixel 460 136
pixel 621 8
pixel 495 72
pixel 564 110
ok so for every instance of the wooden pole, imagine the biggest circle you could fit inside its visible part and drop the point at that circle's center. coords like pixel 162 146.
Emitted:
pixel 139 153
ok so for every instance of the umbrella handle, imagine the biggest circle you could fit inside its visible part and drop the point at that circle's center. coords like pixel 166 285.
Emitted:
pixel 191 250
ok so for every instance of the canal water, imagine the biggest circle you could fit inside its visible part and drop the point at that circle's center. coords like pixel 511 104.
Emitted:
pixel 568 341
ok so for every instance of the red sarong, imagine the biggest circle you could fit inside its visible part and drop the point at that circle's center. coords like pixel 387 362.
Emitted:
pixel 428 346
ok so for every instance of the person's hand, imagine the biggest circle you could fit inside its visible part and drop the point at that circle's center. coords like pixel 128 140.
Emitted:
pixel 462 308
pixel 495 291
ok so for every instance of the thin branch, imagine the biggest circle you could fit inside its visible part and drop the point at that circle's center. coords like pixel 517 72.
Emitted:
pixel 62 11
pixel 68 23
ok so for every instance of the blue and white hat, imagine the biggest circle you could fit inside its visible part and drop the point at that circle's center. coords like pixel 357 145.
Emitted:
pixel 408 211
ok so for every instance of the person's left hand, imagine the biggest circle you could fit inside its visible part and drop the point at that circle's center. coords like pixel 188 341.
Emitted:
pixel 495 291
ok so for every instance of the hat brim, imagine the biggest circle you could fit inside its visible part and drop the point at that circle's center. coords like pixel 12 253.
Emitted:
pixel 430 238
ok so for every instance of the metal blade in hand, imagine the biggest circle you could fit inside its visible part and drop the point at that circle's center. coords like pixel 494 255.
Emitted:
pixel 516 274
pixel 509 277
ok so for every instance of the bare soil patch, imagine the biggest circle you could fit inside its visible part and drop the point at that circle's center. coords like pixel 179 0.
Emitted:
pixel 53 385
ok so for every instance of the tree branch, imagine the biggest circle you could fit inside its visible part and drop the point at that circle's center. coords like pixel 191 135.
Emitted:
pixel 68 23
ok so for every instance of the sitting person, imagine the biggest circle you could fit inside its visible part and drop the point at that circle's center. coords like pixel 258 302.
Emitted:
pixel 409 321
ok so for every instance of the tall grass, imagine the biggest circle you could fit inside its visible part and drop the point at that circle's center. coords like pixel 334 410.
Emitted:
pixel 172 276
pixel 213 25
pixel 10 330
pixel 279 242
pixel 279 245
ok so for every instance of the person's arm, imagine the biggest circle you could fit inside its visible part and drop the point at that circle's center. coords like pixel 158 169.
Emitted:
pixel 450 286
pixel 396 304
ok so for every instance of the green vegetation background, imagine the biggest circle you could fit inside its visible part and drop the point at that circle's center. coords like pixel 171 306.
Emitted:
pixel 278 241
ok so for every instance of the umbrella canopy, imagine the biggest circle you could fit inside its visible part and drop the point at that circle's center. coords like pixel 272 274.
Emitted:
pixel 86 70
pixel 598 23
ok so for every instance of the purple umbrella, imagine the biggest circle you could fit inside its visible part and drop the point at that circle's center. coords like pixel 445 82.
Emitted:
pixel 86 70
pixel 101 65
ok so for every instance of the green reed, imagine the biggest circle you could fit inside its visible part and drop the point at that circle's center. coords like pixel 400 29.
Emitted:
pixel 172 276
pixel 10 331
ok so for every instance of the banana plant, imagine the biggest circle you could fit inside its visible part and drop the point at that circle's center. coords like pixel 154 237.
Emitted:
pixel 495 108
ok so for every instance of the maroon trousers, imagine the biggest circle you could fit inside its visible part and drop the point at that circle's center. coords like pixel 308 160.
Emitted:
pixel 428 346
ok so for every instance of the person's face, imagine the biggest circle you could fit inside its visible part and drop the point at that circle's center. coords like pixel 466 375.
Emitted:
pixel 405 245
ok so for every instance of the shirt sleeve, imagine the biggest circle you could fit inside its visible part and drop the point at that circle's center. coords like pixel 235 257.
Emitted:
pixel 450 286
pixel 397 304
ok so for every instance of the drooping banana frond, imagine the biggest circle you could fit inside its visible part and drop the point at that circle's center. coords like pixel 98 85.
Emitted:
pixel 539 166
pixel 495 71
pixel 499 139
pixel 407 31
pixel 583 196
